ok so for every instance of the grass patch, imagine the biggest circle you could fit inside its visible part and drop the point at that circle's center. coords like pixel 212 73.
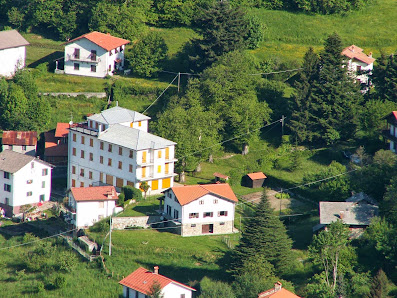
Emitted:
pixel 142 208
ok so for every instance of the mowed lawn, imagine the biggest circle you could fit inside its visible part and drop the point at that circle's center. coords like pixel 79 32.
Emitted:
pixel 185 259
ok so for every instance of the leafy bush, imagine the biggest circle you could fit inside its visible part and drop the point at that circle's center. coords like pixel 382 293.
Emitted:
pixel 131 193
pixel 58 282
pixel 121 200
pixel 100 226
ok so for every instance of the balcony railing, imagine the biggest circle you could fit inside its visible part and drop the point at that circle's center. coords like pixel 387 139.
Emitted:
pixel 90 58
pixel 84 128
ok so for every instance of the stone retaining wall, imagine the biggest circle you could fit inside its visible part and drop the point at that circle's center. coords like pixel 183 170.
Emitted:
pixel 120 223
pixel 197 229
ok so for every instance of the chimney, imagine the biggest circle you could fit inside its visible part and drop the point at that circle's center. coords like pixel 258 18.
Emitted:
pixel 370 55
pixel 341 214
pixel 277 286
pixel 156 270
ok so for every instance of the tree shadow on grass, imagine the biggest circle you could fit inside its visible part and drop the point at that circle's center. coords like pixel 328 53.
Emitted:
pixel 49 58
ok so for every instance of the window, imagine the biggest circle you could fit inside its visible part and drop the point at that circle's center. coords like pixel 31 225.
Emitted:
pixel 93 68
pixel 193 215
pixel 140 123
pixel 82 140
pixel 130 168
pixel 82 172
pixel 120 151
pixel 76 66
pixel 101 146
pixel 44 172
pixel 74 137
pixel 82 154
pixel 101 159
pixel 208 214
pixel 93 55
pixel 101 176
pixel 169 209
pixel 74 151
pixel 182 295
pixel 110 148
pixel 158 169
pixel 222 213
pixel 167 153
pixel 29 181
pixel 144 157
pixel 91 156
pixel 167 168
pixel 6 175
pixel 73 183
pixel 193 225
pixel 101 205
pixel 42 198
pixel 143 172
pixel 76 53
pixel 23 147
pixel 131 154
pixel 90 175
pixel 81 184
pixel 29 194
pixel 120 165
pixel 73 170
pixel 201 202
pixel 176 214
pixel 110 67
pixel 215 201
pixel 7 187
pixel 358 68
pixel 42 184
pixel 109 162
pixel 91 142
pixel 159 154
pixel 176 200
pixel 222 223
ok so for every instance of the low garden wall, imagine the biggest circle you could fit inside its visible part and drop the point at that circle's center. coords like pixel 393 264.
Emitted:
pixel 120 223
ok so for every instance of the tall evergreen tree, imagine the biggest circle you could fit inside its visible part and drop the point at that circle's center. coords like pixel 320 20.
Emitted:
pixel 378 76
pixel 379 285
pixel 264 235
pixel 390 91
pixel 224 29
pixel 300 122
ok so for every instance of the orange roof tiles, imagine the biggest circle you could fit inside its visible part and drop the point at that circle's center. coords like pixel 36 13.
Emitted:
pixel 354 52
pixel 257 175
pixel 106 41
pixel 219 175
pixel 95 193
pixel 142 280
pixel 190 193
pixel 20 138
pixel 283 293
pixel 62 130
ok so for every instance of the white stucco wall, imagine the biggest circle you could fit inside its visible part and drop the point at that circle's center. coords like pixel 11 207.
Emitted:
pixel 29 150
pixel 173 290
pixel 11 60
pixel 89 212
pixel 208 205
pixel 132 293
pixel 352 68
pixel 84 61
pixel 26 180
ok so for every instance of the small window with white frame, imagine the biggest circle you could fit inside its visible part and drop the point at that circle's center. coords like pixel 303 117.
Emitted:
pixel 30 181
pixel 29 194
pixel 222 213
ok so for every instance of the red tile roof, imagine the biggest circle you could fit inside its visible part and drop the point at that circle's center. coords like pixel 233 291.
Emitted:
pixel 62 130
pixel 354 52
pixel 277 292
pixel 106 41
pixel 257 175
pixel 52 148
pixel 25 138
pixel 95 193
pixel 189 193
pixel 219 175
pixel 142 280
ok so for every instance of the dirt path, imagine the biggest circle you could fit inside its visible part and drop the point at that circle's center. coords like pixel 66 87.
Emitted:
pixel 274 202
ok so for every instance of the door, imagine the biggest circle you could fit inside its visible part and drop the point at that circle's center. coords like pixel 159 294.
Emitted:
pixel 155 184
pixel 207 229
pixel 109 179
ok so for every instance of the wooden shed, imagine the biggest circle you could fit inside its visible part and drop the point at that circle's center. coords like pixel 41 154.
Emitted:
pixel 220 177
pixel 254 180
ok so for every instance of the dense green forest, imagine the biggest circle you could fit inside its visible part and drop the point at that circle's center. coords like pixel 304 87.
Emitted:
pixel 229 101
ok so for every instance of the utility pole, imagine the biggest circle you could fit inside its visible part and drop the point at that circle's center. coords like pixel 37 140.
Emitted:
pixel 179 80
pixel 110 237
pixel 281 197
pixel 282 125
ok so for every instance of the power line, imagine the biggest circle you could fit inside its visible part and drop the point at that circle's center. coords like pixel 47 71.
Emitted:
pixel 22 244
pixel 274 72
pixel 160 94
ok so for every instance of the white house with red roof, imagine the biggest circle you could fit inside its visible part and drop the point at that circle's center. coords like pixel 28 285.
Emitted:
pixel 94 54
pixel 390 134
pixel 359 64
pixel 90 204
pixel 201 209
pixel 141 283
pixel 12 52
pixel 277 292
pixel 20 141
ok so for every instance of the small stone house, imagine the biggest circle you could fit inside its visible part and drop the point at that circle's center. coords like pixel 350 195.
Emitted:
pixel 254 180
pixel 24 142
pixel 139 284
pixel 201 209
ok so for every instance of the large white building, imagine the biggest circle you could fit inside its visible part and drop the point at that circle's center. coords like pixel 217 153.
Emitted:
pixel 140 284
pixel 12 52
pixel 23 180
pixel 90 204
pixel 201 209
pixel 94 54
pixel 359 64
pixel 114 148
